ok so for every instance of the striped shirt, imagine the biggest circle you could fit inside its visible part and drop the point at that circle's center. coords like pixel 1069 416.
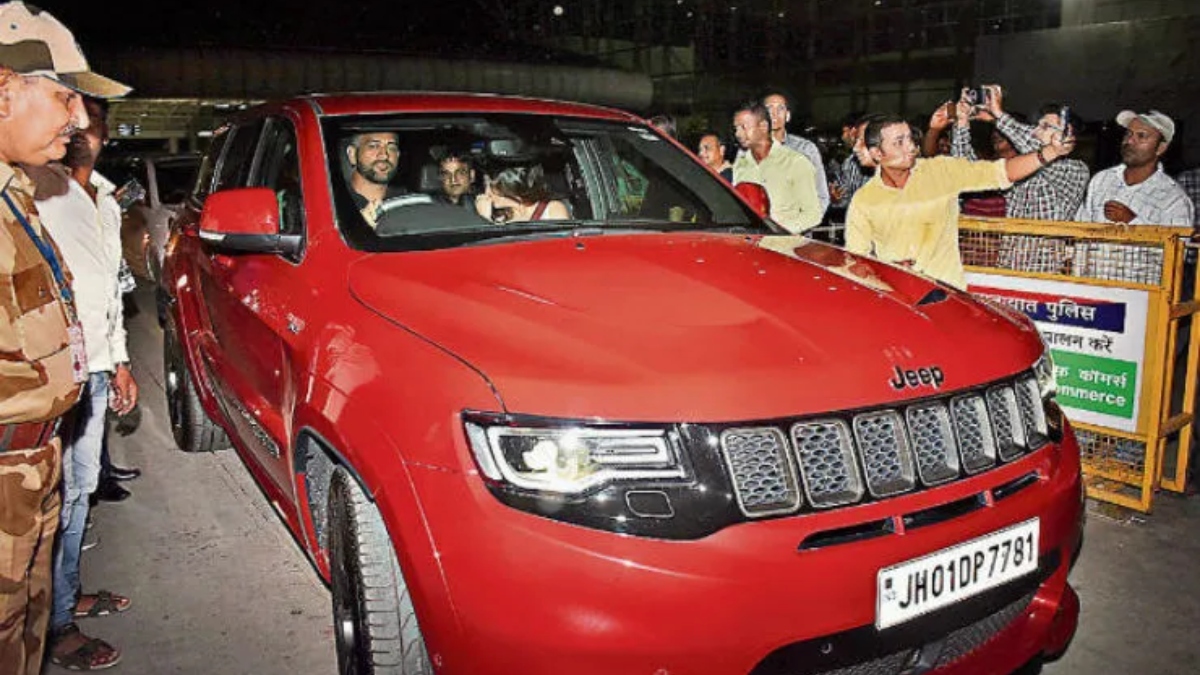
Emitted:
pixel 852 177
pixel 1158 200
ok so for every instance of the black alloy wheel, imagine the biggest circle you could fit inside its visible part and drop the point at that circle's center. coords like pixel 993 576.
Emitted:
pixel 191 428
pixel 374 624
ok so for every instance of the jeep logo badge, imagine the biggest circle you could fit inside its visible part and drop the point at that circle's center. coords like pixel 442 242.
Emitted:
pixel 931 376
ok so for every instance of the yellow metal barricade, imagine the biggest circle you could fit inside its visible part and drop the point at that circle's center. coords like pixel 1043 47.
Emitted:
pixel 1110 302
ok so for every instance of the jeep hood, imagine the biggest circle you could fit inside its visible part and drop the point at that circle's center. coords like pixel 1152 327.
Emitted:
pixel 700 327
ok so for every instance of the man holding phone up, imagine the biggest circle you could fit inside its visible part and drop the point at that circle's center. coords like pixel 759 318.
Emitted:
pixel 907 214
pixel 1053 193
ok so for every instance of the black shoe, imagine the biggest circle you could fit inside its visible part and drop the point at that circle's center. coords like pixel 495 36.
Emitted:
pixel 110 491
pixel 123 473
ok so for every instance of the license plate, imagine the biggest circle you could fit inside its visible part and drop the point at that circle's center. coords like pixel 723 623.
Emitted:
pixel 916 587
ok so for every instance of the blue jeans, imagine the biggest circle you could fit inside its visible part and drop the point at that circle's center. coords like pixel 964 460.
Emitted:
pixel 83 439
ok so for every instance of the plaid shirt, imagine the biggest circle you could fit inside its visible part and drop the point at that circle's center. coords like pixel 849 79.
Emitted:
pixel 1190 182
pixel 1158 200
pixel 850 178
pixel 1052 193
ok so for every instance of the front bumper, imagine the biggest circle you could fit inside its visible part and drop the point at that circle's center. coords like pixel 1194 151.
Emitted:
pixel 514 592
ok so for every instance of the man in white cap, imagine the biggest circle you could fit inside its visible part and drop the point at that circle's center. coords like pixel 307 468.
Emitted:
pixel 43 361
pixel 1136 191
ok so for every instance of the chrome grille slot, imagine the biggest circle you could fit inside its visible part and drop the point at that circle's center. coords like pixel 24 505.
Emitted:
pixel 933 442
pixel 976 444
pixel 1033 415
pixel 764 478
pixel 1006 421
pixel 883 449
pixel 825 454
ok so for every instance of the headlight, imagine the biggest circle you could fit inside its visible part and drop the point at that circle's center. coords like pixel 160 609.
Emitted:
pixel 1043 372
pixel 571 460
pixel 1043 369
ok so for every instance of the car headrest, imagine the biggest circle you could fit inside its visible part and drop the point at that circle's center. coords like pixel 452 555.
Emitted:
pixel 431 181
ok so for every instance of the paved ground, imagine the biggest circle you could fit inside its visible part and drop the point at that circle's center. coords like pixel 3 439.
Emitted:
pixel 219 586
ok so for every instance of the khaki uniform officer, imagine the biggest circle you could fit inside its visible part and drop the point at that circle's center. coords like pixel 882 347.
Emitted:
pixel 42 360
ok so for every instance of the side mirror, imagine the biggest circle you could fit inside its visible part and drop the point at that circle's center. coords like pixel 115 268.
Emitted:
pixel 755 196
pixel 246 220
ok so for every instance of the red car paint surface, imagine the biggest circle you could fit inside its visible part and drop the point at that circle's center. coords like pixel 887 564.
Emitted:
pixel 372 360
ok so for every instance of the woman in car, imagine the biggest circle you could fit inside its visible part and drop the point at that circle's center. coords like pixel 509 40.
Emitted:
pixel 519 194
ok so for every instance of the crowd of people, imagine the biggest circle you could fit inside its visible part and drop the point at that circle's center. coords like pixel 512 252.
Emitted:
pixel 65 364
pixel 904 187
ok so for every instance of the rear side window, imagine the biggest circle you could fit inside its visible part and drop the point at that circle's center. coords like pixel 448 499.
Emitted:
pixel 208 165
pixel 234 168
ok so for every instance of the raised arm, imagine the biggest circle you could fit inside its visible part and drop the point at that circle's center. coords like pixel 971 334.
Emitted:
pixel 938 121
pixel 1027 164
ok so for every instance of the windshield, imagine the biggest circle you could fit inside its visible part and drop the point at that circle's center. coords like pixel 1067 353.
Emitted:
pixel 417 182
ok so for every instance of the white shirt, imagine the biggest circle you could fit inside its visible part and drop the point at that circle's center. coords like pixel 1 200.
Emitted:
pixel 89 235
pixel 1158 200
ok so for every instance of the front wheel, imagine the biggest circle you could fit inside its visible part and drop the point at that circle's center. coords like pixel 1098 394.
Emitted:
pixel 374 624
pixel 190 426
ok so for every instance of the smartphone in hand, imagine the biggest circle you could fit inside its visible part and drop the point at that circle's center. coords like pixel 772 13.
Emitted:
pixel 1064 120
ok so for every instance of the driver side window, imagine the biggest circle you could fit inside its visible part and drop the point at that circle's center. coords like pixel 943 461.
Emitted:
pixel 279 169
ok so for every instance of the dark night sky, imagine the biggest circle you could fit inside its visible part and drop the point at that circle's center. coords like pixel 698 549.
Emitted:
pixel 431 27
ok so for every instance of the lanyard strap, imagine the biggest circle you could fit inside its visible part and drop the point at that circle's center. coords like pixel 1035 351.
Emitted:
pixel 46 250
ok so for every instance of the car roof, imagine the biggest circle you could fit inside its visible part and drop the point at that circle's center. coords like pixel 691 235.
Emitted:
pixel 448 102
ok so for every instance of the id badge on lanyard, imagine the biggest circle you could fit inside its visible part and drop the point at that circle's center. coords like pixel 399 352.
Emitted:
pixel 79 362
pixel 79 365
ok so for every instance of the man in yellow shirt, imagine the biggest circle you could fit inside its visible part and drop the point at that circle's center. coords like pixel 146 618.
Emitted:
pixel 908 212
pixel 788 177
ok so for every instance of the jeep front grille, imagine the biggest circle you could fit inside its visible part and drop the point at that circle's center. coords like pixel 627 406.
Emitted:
pixel 1006 420
pixel 976 441
pixel 883 447
pixel 764 478
pixel 836 461
pixel 933 442
pixel 826 457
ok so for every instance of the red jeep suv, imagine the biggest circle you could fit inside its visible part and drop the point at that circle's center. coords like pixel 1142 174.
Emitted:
pixel 599 416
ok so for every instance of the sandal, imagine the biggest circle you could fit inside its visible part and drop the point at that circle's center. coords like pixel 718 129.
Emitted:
pixel 103 603
pixel 90 654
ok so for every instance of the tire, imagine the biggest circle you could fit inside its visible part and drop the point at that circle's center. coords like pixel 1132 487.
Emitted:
pixel 190 425
pixel 374 624
pixel 161 306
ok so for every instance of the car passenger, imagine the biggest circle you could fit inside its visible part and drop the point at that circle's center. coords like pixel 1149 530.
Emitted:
pixel 517 194
pixel 374 158
pixel 457 176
